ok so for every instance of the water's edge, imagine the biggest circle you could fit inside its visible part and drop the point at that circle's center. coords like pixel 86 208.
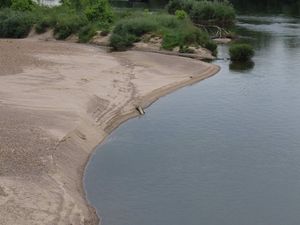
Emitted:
pixel 145 102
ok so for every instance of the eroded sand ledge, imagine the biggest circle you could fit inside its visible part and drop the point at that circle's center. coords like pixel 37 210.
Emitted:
pixel 57 102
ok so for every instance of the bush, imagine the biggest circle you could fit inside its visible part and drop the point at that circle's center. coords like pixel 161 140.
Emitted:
pixel 201 12
pixel 136 26
pixel 180 14
pixel 22 5
pixel 173 31
pixel 175 5
pixel 15 24
pixel 126 32
pixel 121 42
pixel 99 11
pixel 171 40
pixel 213 12
pixel 241 52
pixel 86 33
pixel 67 25
pixel 44 24
pixel 184 35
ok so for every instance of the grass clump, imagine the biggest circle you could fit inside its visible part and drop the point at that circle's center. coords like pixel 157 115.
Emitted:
pixel 241 52
pixel 15 24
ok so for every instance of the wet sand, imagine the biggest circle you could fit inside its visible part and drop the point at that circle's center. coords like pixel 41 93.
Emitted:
pixel 58 101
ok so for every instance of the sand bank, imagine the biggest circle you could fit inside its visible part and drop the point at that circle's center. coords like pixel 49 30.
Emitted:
pixel 57 102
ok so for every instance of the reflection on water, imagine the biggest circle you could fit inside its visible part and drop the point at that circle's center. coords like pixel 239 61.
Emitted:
pixel 289 7
pixel 241 66
pixel 223 152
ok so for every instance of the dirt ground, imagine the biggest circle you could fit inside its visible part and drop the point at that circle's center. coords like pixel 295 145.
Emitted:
pixel 58 101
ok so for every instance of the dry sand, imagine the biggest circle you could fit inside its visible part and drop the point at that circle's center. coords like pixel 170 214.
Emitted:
pixel 58 101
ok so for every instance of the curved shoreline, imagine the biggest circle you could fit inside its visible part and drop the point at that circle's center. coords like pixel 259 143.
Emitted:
pixel 146 102
pixel 58 101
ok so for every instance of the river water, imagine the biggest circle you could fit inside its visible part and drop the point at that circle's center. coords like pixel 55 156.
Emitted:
pixel 225 151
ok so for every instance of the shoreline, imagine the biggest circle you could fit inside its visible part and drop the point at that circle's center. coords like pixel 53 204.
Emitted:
pixel 66 99
pixel 145 103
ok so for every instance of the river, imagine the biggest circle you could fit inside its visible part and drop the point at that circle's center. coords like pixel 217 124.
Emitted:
pixel 225 151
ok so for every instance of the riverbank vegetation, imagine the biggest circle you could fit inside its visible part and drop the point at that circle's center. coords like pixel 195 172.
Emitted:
pixel 219 13
pixel 174 31
pixel 179 26
pixel 71 17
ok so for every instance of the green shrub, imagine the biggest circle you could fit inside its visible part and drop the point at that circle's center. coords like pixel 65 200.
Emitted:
pixel 99 11
pixel 241 52
pixel 167 21
pixel 136 26
pixel 22 5
pixel 175 5
pixel 171 40
pixel 173 31
pixel 67 25
pixel 185 37
pixel 15 24
pixel 121 42
pixel 126 32
pixel 86 33
pixel 44 24
pixel 202 11
pixel 180 14
pixel 212 12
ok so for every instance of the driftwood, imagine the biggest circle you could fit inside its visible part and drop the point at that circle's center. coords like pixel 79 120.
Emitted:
pixel 140 110
pixel 220 32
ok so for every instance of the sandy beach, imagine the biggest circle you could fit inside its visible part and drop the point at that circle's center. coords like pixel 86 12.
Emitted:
pixel 58 101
